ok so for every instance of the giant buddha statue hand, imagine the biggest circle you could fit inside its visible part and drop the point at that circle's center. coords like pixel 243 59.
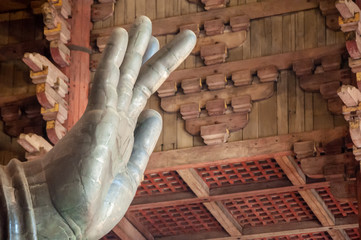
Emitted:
pixel 82 188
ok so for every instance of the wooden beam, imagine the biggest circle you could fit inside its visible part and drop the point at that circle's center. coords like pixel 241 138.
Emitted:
pixel 297 228
pixel 195 182
pixel 311 197
pixel 274 230
pixel 247 150
pixel 139 226
pixel 15 16
pixel 281 61
pixel 13 5
pixel 223 193
pixel 199 236
pixel 253 10
pixel 6 100
pixel 16 51
pixel 126 231
pixel 216 208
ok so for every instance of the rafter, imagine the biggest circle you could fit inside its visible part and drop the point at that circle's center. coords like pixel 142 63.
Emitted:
pixel 311 197
pixel 139 226
pixel 216 208
pixel 126 231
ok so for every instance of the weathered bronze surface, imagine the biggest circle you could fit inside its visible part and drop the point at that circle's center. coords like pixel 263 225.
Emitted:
pixel 85 184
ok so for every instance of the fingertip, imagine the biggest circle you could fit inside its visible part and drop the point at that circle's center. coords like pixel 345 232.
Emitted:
pixel 153 47
pixel 116 46
pixel 151 116
pixel 190 34
pixel 142 19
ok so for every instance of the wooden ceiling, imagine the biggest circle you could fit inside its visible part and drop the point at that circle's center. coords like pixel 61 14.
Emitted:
pixel 287 173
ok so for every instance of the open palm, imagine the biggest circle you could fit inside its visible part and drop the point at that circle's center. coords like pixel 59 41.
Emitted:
pixel 92 174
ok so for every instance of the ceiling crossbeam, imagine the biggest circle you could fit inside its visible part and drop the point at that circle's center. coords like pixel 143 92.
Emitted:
pixel 311 197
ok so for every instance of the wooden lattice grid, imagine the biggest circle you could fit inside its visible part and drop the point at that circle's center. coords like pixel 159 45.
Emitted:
pixel 163 182
pixel 353 233
pixel 176 220
pixel 239 173
pixel 305 236
pixel 338 209
pixel 269 209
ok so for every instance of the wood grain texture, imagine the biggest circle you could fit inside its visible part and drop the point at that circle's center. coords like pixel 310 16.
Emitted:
pixel 281 61
pixel 237 151
pixel 170 25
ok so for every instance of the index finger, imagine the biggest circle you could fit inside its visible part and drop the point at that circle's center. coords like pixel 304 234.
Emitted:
pixel 103 92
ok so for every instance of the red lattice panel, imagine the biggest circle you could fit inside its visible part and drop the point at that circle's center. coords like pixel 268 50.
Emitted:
pixel 243 172
pixel 339 209
pixel 164 182
pixel 269 209
pixel 308 236
pixel 353 233
pixel 176 220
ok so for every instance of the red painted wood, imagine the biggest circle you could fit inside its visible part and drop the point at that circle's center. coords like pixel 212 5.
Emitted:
pixel 78 71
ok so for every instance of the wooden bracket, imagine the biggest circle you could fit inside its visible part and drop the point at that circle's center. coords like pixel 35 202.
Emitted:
pixel 60 53
pixel 191 85
pixel 242 78
pixel 216 81
pixel 191 26
pixel 327 78
pixel 242 104
pixel 329 10
pixel 214 4
pixel 61 32
pixel 216 107
pixel 255 91
pixel 214 53
pixel 268 74
pixel 214 134
pixel 303 67
pixel 55 131
pixel 304 149
pixel 313 83
pixel 51 88
pixel 102 11
pixel 63 7
pixel 167 89
pixel 240 23
pixel 190 111
pixel 36 146
pixel 21 116
pixel 233 122
pixel 214 27
pixel 58 112
pixel 340 170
